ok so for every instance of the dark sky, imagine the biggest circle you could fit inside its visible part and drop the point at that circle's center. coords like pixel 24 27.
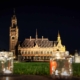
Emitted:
pixel 48 19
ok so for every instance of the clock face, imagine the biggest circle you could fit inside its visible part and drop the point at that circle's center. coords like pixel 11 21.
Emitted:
pixel 13 37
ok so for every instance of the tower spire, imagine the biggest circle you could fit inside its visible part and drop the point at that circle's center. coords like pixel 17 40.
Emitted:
pixel 14 19
pixel 36 34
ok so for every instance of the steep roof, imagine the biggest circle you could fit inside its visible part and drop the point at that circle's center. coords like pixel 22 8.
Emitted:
pixel 40 42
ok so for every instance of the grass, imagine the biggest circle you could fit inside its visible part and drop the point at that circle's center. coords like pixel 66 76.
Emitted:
pixel 39 68
pixel 32 68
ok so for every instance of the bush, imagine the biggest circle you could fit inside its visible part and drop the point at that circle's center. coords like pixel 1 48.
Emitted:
pixel 76 69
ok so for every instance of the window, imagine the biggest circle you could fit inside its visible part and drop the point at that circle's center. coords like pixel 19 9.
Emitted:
pixel 51 52
pixel 25 52
pixel 36 52
pixel 48 57
pixel 22 52
pixel 41 52
pixel 29 52
pixel 12 30
pixel 48 52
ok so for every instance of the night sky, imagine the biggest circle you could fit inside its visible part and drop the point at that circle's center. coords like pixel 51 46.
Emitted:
pixel 47 19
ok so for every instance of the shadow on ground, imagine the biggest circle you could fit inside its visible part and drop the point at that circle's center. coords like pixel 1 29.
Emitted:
pixel 33 77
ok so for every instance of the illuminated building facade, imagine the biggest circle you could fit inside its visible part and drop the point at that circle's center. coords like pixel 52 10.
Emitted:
pixel 34 49
pixel 40 49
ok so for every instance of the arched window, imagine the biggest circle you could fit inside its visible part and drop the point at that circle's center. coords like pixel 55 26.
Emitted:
pixel 44 52
pixel 50 52
pixel 41 52
pixel 22 52
pixel 47 52
pixel 31 52
pixel 25 52
pixel 36 52
pixel 28 52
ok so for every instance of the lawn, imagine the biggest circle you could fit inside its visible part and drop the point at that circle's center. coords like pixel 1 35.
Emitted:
pixel 31 68
pixel 39 68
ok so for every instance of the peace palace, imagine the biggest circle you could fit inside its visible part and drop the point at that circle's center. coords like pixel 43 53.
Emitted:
pixel 33 49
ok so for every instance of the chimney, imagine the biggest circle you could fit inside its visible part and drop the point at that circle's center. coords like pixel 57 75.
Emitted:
pixel 30 38
pixel 42 38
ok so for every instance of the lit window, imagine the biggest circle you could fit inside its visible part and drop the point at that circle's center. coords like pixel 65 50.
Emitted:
pixel 41 52
pixel 48 52
pixel 51 52
pixel 36 52
pixel 29 52
pixel 22 52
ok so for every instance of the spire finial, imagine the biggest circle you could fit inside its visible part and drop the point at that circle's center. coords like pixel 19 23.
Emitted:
pixel 58 34
pixel 36 34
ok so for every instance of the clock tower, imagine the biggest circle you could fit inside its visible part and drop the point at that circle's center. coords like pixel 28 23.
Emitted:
pixel 13 35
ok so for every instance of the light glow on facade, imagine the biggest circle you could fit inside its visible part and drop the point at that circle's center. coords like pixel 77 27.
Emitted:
pixel 6 62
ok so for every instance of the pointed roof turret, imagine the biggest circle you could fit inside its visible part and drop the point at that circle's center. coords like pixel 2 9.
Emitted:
pixel 14 16
pixel 36 34
pixel 59 38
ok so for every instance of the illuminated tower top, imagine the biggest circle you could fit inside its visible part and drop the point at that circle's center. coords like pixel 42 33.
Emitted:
pixel 14 20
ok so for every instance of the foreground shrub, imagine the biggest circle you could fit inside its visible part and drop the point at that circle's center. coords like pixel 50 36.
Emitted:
pixel 76 69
